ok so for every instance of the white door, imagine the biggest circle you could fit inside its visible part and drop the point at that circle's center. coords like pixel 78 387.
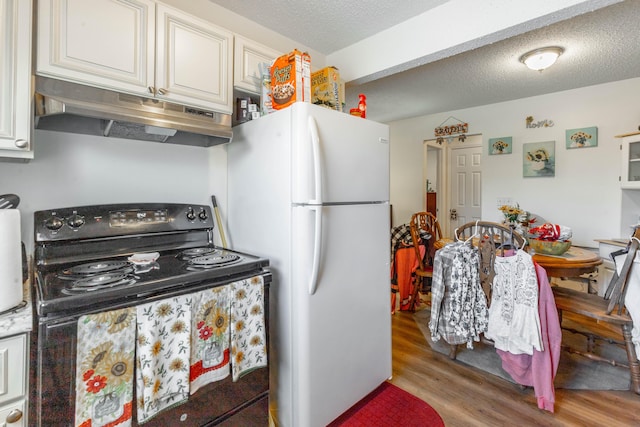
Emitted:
pixel 341 332
pixel 465 183
pixel 109 44
pixel 194 61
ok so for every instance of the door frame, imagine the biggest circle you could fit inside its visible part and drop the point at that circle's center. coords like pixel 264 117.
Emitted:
pixel 443 186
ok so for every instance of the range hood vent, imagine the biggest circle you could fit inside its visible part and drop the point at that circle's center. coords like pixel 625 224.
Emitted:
pixel 69 107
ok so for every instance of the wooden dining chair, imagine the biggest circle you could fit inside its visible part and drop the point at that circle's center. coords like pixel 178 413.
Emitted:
pixel 423 224
pixel 492 239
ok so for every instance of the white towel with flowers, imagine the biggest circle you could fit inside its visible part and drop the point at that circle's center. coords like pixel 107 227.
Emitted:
pixel 248 337
pixel 104 368
pixel 163 351
pixel 210 337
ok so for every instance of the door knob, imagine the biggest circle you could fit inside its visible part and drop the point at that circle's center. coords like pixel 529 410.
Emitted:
pixel 14 416
pixel 21 143
pixel 453 214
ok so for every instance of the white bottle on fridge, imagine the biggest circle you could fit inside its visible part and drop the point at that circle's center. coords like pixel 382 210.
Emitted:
pixel 308 188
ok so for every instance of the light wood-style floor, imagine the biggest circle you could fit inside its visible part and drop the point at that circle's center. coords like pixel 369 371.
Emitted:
pixel 465 396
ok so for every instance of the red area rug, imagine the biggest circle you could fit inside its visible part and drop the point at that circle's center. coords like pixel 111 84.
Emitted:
pixel 389 406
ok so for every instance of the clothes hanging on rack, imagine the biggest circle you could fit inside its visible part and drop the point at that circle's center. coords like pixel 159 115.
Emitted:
pixel 459 311
pixel 539 370
pixel 514 322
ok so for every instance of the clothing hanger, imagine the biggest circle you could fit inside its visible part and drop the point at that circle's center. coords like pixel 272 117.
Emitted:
pixel 475 232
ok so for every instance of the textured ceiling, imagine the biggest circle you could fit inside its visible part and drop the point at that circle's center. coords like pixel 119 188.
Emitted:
pixel 327 25
pixel 600 47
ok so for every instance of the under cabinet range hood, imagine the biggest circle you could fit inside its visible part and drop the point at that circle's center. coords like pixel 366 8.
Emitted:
pixel 69 107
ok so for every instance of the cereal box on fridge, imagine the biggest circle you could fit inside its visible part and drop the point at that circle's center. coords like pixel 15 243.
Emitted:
pixel 326 88
pixel 291 79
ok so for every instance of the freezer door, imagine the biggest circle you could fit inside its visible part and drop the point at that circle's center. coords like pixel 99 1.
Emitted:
pixel 341 332
pixel 350 161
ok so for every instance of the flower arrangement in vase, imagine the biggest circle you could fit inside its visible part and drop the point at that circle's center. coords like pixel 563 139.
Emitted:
pixel 511 214
pixel 516 218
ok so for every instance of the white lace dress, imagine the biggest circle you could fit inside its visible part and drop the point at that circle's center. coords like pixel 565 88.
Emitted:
pixel 514 321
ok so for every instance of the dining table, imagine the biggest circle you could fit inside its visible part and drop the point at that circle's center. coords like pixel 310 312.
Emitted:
pixel 575 262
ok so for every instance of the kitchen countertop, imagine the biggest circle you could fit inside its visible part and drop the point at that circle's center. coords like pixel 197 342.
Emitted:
pixel 20 319
pixel 615 242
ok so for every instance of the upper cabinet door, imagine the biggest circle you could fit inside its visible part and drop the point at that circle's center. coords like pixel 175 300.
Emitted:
pixel 107 43
pixel 15 79
pixel 248 56
pixel 630 178
pixel 193 61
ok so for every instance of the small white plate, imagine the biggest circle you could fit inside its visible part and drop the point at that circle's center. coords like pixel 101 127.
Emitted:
pixel 142 259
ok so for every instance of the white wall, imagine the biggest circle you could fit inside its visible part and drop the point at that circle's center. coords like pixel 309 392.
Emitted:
pixel 74 170
pixel 584 194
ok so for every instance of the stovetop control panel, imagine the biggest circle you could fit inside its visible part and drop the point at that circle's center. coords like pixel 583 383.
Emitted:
pixel 88 222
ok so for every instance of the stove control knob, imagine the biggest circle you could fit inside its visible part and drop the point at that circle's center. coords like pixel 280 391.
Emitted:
pixel 54 223
pixel 75 221
pixel 191 215
pixel 203 215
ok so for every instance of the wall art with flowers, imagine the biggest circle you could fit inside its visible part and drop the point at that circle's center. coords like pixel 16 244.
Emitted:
pixel 539 159
pixel 582 137
pixel 501 145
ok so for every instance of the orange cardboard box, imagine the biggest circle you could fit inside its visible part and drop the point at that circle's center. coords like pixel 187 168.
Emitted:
pixel 326 88
pixel 291 79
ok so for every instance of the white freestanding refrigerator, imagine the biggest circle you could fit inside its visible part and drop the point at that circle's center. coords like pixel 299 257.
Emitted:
pixel 308 188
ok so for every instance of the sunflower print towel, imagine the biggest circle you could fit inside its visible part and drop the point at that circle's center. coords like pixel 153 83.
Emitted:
pixel 248 339
pixel 162 352
pixel 209 337
pixel 104 368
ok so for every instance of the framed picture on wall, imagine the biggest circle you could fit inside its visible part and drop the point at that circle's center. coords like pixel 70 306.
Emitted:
pixel 500 145
pixel 539 159
pixel 582 137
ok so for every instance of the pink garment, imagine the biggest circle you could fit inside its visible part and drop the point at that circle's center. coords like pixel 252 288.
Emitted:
pixel 539 370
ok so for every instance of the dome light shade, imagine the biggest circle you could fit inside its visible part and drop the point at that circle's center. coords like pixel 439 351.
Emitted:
pixel 540 59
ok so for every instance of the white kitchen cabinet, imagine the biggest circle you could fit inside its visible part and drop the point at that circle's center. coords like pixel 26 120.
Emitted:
pixel 247 57
pixel 630 146
pixel 15 79
pixel 194 62
pixel 13 380
pixel 137 46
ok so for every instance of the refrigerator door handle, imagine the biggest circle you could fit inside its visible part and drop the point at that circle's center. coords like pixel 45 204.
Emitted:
pixel 317 162
pixel 317 249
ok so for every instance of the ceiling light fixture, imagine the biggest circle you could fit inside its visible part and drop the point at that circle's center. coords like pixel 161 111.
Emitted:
pixel 540 59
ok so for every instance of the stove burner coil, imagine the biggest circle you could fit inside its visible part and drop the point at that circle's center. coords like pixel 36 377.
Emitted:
pixel 94 268
pixel 102 281
pixel 214 260
pixel 191 253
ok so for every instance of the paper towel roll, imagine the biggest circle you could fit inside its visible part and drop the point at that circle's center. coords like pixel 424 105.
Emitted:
pixel 10 259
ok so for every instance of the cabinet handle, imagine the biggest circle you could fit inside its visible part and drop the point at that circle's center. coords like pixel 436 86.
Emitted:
pixel 162 91
pixel 152 90
pixel 14 416
pixel 21 143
